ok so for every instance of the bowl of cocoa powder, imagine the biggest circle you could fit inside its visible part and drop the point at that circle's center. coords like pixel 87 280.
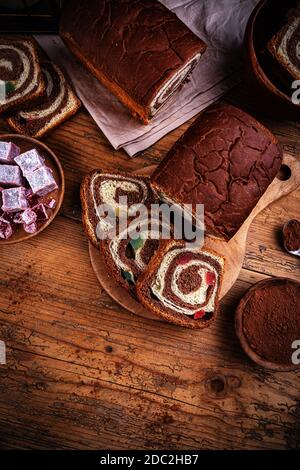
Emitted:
pixel 267 323
pixel 291 236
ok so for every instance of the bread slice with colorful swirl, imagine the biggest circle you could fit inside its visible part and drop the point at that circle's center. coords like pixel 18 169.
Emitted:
pixel 182 284
pixel 21 78
pixel 128 253
pixel 58 103
pixel 101 187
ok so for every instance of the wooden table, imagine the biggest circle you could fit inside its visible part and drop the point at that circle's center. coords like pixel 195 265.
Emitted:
pixel 83 373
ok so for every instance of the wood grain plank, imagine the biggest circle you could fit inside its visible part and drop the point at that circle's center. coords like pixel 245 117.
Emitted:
pixel 83 373
pixel 75 357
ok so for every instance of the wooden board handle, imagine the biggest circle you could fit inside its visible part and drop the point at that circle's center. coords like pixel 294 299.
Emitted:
pixel 278 188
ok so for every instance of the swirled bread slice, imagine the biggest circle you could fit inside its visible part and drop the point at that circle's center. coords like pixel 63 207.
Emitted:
pixel 128 253
pixel 106 188
pixel 181 284
pixel 57 104
pixel 285 45
pixel 21 77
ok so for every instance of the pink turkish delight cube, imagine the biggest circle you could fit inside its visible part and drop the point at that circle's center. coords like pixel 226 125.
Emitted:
pixel 14 200
pixel 6 229
pixel 31 228
pixel 41 181
pixel 28 217
pixel 8 152
pixel 29 161
pixel 10 175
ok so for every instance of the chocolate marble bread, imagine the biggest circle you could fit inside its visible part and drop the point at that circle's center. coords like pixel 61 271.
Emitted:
pixel 285 45
pixel 138 49
pixel 106 188
pixel 225 160
pixel 58 103
pixel 21 77
pixel 182 284
pixel 127 254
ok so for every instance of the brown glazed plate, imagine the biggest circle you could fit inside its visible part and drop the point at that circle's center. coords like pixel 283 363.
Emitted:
pixel 263 76
pixel 26 143
pixel 263 286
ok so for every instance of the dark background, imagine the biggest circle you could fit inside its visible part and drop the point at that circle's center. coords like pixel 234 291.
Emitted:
pixel 30 16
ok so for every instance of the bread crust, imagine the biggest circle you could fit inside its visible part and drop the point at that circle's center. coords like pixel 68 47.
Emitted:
pixel 113 269
pixel 134 48
pixel 88 211
pixel 192 169
pixel 134 108
pixel 167 314
pixel 43 132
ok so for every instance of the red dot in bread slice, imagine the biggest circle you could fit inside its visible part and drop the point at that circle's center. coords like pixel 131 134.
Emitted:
pixel 210 278
pixel 199 314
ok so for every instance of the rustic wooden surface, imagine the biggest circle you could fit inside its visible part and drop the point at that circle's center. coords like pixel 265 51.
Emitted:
pixel 83 373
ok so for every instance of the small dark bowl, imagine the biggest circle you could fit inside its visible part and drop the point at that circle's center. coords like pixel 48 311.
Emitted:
pixel 268 93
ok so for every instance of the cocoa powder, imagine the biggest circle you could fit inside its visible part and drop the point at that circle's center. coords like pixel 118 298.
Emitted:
pixel 291 235
pixel 271 319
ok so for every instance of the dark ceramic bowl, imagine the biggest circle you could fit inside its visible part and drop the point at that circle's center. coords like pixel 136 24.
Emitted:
pixel 270 95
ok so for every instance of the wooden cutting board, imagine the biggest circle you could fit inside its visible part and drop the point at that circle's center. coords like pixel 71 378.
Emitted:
pixel 233 251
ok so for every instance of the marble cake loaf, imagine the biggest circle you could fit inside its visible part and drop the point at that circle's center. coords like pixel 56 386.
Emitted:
pixel 106 188
pixel 20 72
pixel 182 284
pixel 285 45
pixel 225 160
pixel 127 254
pixel 58 103
pixel 139 49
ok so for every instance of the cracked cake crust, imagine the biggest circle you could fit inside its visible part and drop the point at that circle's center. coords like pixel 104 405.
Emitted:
pixel 225 160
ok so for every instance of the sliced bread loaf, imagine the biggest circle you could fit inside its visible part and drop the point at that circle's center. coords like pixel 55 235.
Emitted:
pixel 58 103
pixel 21 78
